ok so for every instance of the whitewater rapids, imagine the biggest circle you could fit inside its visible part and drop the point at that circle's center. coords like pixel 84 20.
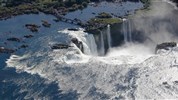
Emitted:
pixel 121 74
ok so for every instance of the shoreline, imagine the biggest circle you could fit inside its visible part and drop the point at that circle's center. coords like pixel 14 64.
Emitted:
pixel 32 8
pixel 36 8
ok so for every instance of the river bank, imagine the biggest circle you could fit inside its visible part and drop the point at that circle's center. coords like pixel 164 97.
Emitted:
pixel 9 9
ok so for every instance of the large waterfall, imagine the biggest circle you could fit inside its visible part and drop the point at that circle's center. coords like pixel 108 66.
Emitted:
pixel 92 45
pixel 124 29
pixel 127 30
pixel 109 36
pixel 124 72
pixel 104 41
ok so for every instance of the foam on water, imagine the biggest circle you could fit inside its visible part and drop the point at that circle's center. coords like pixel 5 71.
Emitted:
pixel 131 71
pixel 111 77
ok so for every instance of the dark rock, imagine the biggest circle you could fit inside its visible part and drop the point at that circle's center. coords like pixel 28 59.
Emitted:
pixel 79 44
pixel 28 36
pixel 32 27
pixel 166 45
pixel 23 46
pixel 93 13
pixel 73 29
pixel 14 39
pixel 176 82
pixel 165 83
pixel 60 46
pixel 45 23
pixel 56 20
pixel 74 40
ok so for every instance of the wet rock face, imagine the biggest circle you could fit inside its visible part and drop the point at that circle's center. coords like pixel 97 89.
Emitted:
pixel 78 44
pixel 165 46
pixel 66 46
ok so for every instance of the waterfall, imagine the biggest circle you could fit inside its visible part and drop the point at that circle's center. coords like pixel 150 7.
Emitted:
pixel 88 40
pixel 102 48
pixel 130 30
pixel 92 45
pixel 124 29
pixel 109 36
pixel 127 30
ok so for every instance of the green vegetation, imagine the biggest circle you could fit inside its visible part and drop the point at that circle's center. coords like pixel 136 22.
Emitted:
pixel 49 3
pixel 101 22
pixel 104 15
pixel 9 8
pixel 105 20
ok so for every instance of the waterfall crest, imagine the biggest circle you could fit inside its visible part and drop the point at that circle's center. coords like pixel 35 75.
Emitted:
pixel 127 30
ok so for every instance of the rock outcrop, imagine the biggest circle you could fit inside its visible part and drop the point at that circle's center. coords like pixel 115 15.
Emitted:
pixel 23 46
pixel 28 36
pixel 73 29
pixel 14 39
pixel 32 27
pixel 78 44
pixel 66 46
pixel 45 23
pixel 60 46
pixel 165 46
